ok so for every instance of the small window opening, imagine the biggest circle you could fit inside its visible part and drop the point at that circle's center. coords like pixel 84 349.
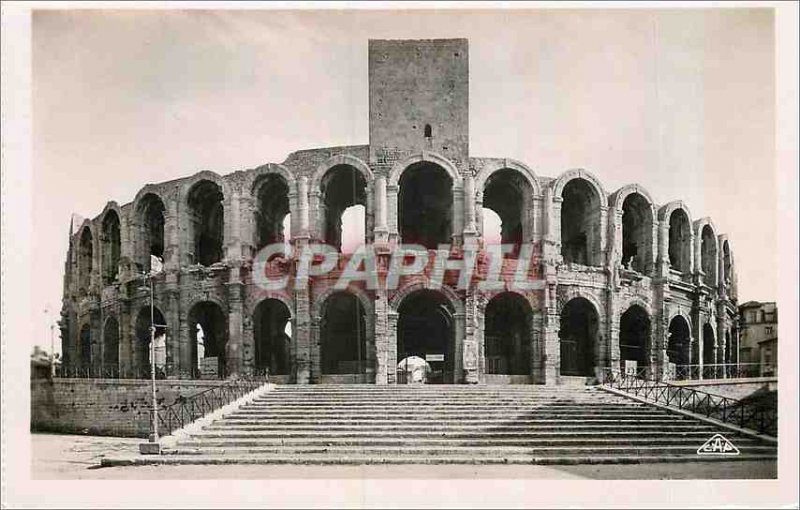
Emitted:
pixel 428 131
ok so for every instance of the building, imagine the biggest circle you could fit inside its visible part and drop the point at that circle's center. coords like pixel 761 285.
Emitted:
pixel 759 336
pixel 612 277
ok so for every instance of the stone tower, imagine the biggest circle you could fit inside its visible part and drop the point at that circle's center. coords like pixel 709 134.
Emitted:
pixel 418 99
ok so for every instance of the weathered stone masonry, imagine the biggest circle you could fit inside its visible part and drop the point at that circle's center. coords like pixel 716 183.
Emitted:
pixel 624 277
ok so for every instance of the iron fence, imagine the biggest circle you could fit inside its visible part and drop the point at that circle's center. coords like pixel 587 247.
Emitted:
pixel 717 371
pixel 185 410
pixel 759 413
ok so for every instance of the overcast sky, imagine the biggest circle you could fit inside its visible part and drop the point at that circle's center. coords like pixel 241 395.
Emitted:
pixel 681 102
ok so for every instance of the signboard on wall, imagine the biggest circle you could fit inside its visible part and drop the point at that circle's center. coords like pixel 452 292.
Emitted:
pixel 630 367
pixel 434 357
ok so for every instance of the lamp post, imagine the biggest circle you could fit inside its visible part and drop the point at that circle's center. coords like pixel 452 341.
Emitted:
pixel 153 446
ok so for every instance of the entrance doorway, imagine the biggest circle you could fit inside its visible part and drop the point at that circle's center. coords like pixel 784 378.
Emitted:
pixel 425 330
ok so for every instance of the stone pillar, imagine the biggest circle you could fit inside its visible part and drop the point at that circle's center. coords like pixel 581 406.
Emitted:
pixel 391 344
pixel 381 306
pixel 233 347
pixel 302 196
pixel 381 224
pixel 315 349
pixel 465 366
pixel 392 191
pixel 663 249
pixel 248 345
pixel 457 225
pixel 612 348
pixel 302 298
pixel 552 324
pixel 172 317
pixel 473 353
pixel 600 258
pixel 470 229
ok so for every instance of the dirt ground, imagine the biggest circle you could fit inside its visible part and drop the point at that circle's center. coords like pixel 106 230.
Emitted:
pixel 58 457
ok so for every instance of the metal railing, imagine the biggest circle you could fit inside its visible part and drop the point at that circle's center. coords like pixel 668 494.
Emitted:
pixel 758 413
pixel 185 410
pixel 718 371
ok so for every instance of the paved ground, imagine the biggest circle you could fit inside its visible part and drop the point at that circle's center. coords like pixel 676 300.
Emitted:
pixel 77 457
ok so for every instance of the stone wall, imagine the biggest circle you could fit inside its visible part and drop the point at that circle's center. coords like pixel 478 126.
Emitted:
pixel 106 407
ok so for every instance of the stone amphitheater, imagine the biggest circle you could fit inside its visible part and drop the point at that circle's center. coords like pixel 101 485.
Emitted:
pixel 613 277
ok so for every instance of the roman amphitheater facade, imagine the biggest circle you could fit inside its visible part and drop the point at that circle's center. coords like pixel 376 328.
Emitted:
pixel 611 276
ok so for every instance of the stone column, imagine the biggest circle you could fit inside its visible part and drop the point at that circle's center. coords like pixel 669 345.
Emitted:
pixel 302 298
pixel 472 353
pixel 302 192
pixel 381 224
pixel 604 244
pixel 172 316
pixel 233 348
pixel 186 339
pixel 470 229
pixel 663 249
pixel 457 225
pixel 612 348
pixel 391 351
pixel 383 369
pixel 393 213
pixel 315 349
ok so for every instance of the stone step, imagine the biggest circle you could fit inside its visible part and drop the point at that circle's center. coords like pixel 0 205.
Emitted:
pixel 482 451
pixel 422 421
pixel 465 427
pixel 688 440
pixel 467 434
pixel 414 459
pixel 576 414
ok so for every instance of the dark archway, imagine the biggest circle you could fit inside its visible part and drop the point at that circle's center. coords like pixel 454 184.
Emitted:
pixel 272 207
pixel 207 220
pixel 425 206
pixel 208 330
pixel 425 328
pixel 637 233
pixel 85 260
pixel 111 345
pixel 342 187
pixel 141 344
pixel 680 241
pixel 150 218
pixel 634 336
pixel 578 337
pixel 85 346
pixel 343 335
pixel 507 335
pixel 580 223
pixel 679 343
pixel 709 340
pixel 509 195
pixel 272 341
pixel 111 246
pixel 708 254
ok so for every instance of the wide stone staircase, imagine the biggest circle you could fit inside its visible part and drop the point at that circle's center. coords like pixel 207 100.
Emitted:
pixel 449 424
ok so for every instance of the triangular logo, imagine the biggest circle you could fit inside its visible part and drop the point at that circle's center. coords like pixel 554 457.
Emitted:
pixel 718 445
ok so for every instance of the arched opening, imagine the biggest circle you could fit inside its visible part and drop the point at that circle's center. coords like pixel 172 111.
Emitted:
pixel 580 224
pixel 272 335
pixel 637 233
pixel 111 344
pixel 425 205
pixel 709 341
pixel 208 329
pixel 708 253
pixel 343 187
pixel 85 259
pixel 680 241
pixel 141 346
pixel 111 247
pixel 507 335
pixel 509 195
pixel 272 210
pixel 726 262
pixel 150 216
pixel 425 329
pixel 353 228
pixel 207 220
pixel 679 341
pixel 634 336
pixel 492 228
pixel 578 337
pixel 343 335
pixel 86 346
